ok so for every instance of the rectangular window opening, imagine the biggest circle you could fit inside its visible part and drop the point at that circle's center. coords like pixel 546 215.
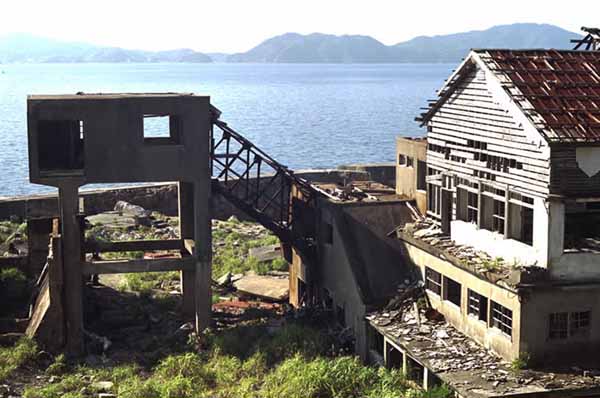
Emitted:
pixel 452 291
pixel 161 129
pixel 433 281
pixel 60 146
pixel 472 207
pixel 478 306
pixel 559 326
pixel 421 175
pixel 498 216
pixel 501 318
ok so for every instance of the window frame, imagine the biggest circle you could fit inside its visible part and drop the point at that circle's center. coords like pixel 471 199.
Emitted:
pixel 501 318
pixel 432 282
pixel 477 305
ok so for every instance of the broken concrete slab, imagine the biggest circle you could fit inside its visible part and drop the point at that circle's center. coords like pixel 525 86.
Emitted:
pixel 113 220
pixel 265 253
pixel 269 287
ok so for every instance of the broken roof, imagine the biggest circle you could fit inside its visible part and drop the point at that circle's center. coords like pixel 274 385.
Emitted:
pixel 465 365
pixel 557 90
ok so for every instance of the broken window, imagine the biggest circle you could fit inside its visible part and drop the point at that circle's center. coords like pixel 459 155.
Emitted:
pixel 580 323
pixel 60 145
pixel 563 325
pixel 559 326
pixel 401 159
pixel 478 306
pixel 452 291
pixel 433 281
pixel 498 216
pixel 501 318
pixel 161 129
pixel 582 227
pixel 472 207
pixel 434 200
pixel 409 161
pixel 421 174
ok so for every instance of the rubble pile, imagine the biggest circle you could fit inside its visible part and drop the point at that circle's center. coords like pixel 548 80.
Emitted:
pixel 429 232
pixel 459 360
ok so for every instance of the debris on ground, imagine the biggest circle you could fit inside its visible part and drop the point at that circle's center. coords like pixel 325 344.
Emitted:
pixel 273 286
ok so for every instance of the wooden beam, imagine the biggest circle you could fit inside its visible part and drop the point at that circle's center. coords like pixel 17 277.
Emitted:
pixel 133 245
pixel 135 266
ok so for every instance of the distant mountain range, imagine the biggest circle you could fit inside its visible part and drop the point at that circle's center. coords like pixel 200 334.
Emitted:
pixel 297 48
pixel 25 48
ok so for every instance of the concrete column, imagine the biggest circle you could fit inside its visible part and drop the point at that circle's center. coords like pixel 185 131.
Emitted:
pixel 548 229
pixel 203 239
pixel 186 231
pixel 385 352
pixel 73 282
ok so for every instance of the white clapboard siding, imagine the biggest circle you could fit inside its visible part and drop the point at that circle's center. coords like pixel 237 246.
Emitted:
pixel 473 114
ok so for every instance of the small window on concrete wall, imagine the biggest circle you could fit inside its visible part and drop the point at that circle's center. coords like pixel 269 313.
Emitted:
pixel 563 325
pixel 162 129
pixel 478 305
pixel 559 326
pixel 452 291
pixel 433 281
pixel 60 145
pixel 501 318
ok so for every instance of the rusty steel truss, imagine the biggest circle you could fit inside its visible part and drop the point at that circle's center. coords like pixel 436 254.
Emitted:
pixel 264 189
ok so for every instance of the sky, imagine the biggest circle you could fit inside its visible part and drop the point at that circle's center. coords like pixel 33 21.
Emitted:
pixel 238 25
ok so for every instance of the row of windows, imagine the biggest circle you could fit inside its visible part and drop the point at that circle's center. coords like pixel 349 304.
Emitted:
pixel 405 161
pixel 498 316
pixel 564 325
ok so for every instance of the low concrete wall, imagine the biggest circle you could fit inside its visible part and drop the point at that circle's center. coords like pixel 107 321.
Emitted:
pixel 159 197
pixel 383 173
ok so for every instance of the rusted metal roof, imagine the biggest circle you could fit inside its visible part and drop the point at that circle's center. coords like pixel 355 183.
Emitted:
pixel 558 90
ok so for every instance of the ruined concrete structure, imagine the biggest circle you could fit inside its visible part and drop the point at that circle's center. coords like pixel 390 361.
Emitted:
pixel 81 139
pixel 508 250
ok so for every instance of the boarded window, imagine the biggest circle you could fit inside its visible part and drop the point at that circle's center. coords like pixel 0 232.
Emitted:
pixel 162 129
pixel 433 281
pixel 478 305
pixel 502 318
pixel 452 291
pixel 60 145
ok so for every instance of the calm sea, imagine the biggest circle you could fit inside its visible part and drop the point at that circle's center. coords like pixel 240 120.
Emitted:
pixel 305 116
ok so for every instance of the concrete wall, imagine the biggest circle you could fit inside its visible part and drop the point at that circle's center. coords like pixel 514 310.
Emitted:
pixel 490 337
pixel 406 177
pixel 536 309
pixel 383 173
pixel 335 275
pixel 114 147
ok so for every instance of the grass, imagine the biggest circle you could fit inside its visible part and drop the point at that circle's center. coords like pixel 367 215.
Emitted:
pixel 13 358
pixel 292 363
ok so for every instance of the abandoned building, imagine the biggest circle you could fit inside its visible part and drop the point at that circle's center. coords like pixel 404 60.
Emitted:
pixel 482 260
pixel 507 250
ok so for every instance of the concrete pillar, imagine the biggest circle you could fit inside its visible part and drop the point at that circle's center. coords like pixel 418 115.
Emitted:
pixel 186 231
pixel 73 282
pixel 404 363
pixel 548 229
pixel 203 239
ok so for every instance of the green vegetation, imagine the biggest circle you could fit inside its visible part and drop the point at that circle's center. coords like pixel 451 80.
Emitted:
pixel 292 363
pixel 233 240
pixel 520 363
pixel 145 283
pixel 13 358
